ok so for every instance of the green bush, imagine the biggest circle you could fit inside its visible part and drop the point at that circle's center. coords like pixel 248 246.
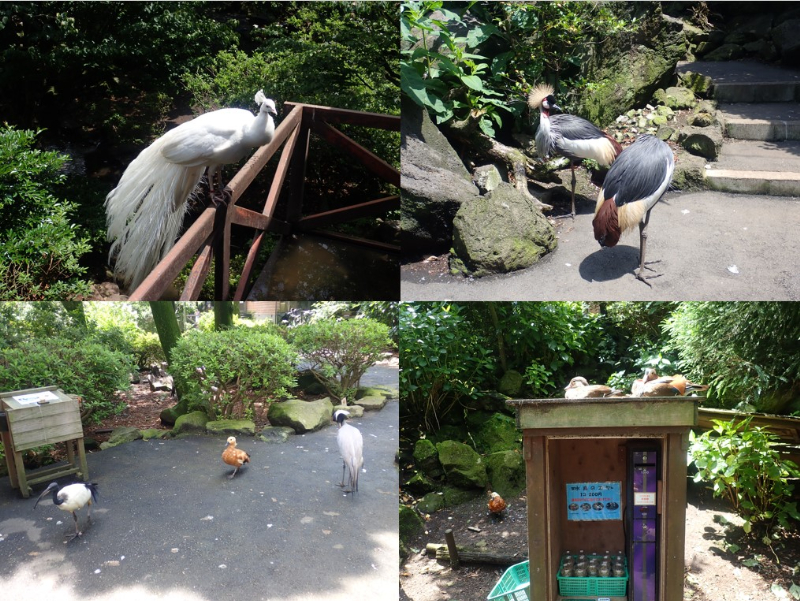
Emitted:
pixel 83 367
pixel 441 359
pixel 245 364
pixel 340 352
pixel 40 248
pixel 743 466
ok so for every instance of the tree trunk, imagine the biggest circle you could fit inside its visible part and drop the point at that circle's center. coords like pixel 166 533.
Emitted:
pixel 468 555
pixel 515 159
pixel 223 315
pixel 75 310
pixel 168 334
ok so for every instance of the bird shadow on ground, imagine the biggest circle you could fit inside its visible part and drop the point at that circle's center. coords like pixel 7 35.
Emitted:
pixel 609 263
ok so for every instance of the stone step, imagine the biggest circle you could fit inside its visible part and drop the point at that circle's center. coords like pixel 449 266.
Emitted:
pixel 762 121
pixel 756 167
pixel 748 81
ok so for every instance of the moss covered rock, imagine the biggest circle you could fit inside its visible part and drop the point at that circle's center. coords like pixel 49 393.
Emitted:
pixel 276 434
pixel 506 471
pixel 499 233
pixel 191 423
pixel 232 427
pixel 463 467
pixel 121 436
pixel 419 483
pixel 410 523
pixel 426 458
pixel 301 416
pixel 432 502
pixel 456 496
pixel 626 69
pixel 498 433
pixel 511 383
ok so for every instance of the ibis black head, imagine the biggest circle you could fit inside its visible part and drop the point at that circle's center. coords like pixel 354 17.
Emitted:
pixel 53 486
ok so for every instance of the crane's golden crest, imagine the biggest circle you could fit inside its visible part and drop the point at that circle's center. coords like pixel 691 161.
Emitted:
pixel 539 93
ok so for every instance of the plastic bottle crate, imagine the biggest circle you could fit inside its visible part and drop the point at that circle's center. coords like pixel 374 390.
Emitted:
pixel 592 586
pixel 513 584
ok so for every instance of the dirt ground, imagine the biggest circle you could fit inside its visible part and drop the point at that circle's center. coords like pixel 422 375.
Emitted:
pixel 713 570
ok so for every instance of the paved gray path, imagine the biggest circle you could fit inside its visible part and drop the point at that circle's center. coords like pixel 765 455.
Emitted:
pixel 281 529
pixel 695 237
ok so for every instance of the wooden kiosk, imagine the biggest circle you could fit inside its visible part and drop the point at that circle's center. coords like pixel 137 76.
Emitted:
pixel 36 417
pixel 594 448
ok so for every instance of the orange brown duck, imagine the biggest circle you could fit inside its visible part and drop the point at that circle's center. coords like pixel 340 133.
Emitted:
pixel 233 456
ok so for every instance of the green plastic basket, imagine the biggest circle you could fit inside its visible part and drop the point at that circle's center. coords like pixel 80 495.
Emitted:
pixel 592 586
pixel 513 584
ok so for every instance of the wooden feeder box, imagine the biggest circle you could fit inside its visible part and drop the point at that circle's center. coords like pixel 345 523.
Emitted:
pixel 572 445
pixel 37 417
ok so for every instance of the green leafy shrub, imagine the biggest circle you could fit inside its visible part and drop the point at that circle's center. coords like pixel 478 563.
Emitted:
pixel 340 352
pixel 40 248
pixel 245 364
pixel 741 463
pixel 440 360
pixel 78 366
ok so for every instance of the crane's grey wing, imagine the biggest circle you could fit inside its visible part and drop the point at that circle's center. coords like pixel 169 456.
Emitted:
pixel 639 171
pixel 576 128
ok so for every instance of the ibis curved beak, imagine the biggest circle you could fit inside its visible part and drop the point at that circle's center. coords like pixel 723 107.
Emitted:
pixel 50 487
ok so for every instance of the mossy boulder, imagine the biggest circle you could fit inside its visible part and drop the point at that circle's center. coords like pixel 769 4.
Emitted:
pixel 675 97
pixel 498 433
pixel 463 467
pixel 419 483
pixel 506 471
pixel 150 433
pixel 171 414
pixel 702 141
pixel 410 523
pixel 689 171
pixel 372 403
pixel 499 233
pixel 191 423
pixel 301 416
pixel 628 67
pixel 276 434
pixel 430 503
pixel 511 383
pixel 121 436
pixel 232 427
pixel 426 458
pixel 726 52
pixel 456 496
pixel 386 391
pixel 355 411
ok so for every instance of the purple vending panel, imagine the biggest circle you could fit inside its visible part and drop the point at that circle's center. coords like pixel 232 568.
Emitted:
pixel 643 562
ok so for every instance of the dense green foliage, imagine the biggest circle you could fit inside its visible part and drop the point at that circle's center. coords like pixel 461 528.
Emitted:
pixel 82 366
pixel 748 352
pixel 40 247
pixel 245 365
pixel 340 352
pixel 441 360
pixel 741 463
pixel 500 51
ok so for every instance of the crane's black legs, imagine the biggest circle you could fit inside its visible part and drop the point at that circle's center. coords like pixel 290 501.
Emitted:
pixel 572 166
pixel 642 248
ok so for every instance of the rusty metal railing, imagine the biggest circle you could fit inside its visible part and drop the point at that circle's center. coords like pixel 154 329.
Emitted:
pixel 210 235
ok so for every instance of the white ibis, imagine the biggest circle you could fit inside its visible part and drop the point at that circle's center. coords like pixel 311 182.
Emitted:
pixel 351 446
pixel 569 136
pixel 144 213
pixel 633 185
pixel 71 498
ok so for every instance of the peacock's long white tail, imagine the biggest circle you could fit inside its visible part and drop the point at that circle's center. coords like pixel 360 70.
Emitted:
pixel 144 213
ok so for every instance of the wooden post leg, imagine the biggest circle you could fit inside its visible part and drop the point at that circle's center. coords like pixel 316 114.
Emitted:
pixel 82 459
pixel 23 480
pixel 70 453
pixel 10 463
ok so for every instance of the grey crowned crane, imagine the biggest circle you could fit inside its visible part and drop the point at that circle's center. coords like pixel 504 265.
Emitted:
pixel 569 136
pixel 351 446
pixel 633 185
pixel 71 498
